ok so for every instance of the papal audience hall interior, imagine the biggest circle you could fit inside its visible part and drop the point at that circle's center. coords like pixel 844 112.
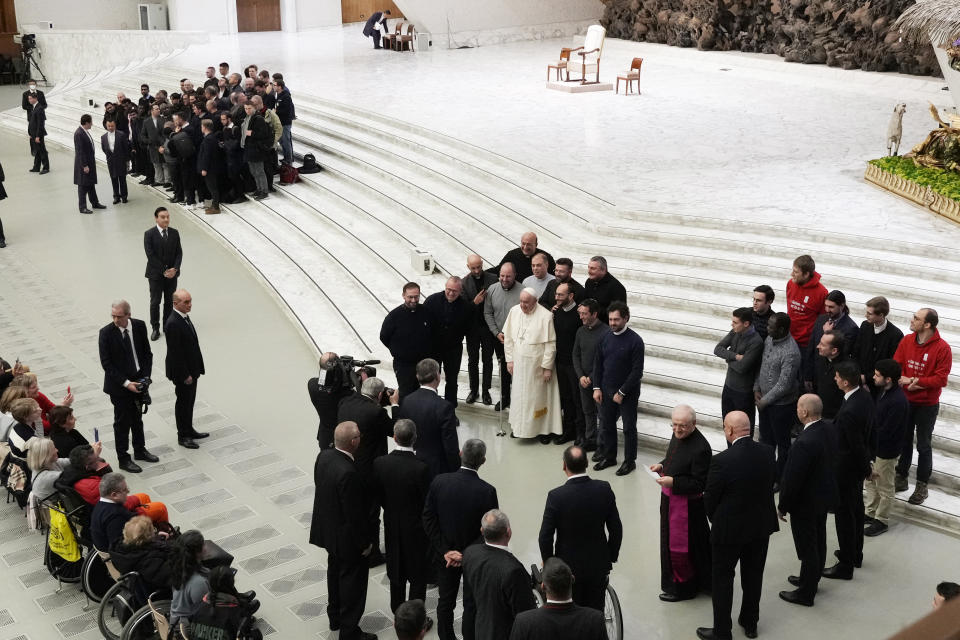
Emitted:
pixel 403 319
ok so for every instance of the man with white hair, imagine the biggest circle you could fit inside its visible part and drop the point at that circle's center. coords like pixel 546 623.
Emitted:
pixel 530 349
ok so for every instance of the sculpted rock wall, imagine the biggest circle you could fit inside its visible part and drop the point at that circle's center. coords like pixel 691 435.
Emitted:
pixel 840 33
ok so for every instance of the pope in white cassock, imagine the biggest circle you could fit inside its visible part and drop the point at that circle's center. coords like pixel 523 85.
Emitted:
pixel 530 349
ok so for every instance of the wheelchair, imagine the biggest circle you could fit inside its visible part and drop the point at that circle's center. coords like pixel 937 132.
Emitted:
pixel 118 606
pixel 612 614
pixel 152 622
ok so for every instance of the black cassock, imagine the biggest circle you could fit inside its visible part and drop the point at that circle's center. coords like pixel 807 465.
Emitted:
pixel 685 548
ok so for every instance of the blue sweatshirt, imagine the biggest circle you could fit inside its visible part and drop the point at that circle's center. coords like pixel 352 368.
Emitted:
pixel 619 363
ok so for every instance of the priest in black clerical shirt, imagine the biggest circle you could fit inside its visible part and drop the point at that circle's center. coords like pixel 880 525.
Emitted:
pixel 523 255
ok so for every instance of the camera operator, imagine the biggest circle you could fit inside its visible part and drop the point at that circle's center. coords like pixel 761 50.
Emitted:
pixel 127 364
pixel 27 106
pixel 326 391
pixel 368 409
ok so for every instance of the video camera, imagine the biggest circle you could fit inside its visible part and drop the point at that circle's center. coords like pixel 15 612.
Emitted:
pixel 143 389
pixel 354 372
pixel 27 41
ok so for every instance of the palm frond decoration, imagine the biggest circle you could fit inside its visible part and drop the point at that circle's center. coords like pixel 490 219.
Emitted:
pixel 931 20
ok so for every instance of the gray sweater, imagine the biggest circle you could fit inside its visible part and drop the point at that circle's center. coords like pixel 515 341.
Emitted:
pixel 498 304
pixel 778 379
pixel 187 600
pixel 741 373
pixel 585 348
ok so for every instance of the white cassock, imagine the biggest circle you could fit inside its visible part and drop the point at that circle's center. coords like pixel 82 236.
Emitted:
pixel 530 342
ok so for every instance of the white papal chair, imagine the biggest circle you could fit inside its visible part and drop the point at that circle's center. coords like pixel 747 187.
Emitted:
pixel 587 58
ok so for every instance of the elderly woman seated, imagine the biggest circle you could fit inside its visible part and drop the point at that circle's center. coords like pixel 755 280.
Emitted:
pixel 6 418
pixel 63 430
pixel 143 551
pixel 29 382
pixel 46 466
pixel 25 413
pixel 116 506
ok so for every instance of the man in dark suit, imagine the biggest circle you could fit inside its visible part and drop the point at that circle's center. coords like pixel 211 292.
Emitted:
pixel 365 408
pixel 808 490
pixel 164 255
pixel 109 513
pixel 37 130
pixel 408 333
pixel 498 581
pixel 326 391
pixel 85 165
pixel 151 137
pixel 739 503
pixel 340 526
pixel 210 164
pixel 455 504
pixel 583 515
pixel 32 92
pixel 854 422
pixel 559 618
pixel 410 621
pixel 479 338
pixel 126 359
pixel 436 421
pixel 184 366
pixel 116 146
pixel 373 24
pixel 451 315
pixel 401 482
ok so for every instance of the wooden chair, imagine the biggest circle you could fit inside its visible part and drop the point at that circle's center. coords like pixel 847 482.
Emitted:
pixel 390 39
pixel 405 41
pixel 589 55
pixel 630 76
pixel 561 65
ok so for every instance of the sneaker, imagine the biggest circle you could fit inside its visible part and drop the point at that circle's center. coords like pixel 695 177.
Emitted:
pixel 900 483
pixel 919 494
pixel 875 529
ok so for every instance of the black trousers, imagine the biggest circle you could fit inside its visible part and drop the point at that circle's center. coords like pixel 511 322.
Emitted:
pixel 2 237
pixel 848 517
pixel 732 400
pixel 175 177
pixel 399 593
pixel 505 378
pixel 119 184
pixel 188 180
pixel 450 359
pixel 41 160
pixel 569 387
pixel 346 593
pixel 127 419
pixel 448 584
pixel 85 190
pixel 183 408
pixel 376 42
pixel 480 346
pixel 810 540
pixel 776 421
pixel 590 416
pixel 213 187
pixel 590 591
pixel 406 373
pixel 752 557
pixel 161 288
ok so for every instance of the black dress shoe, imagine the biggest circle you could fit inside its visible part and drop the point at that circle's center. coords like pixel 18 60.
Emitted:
pixel 603 464
pixel 35 170
pixel 706 633
pixel 155 335
pixel 750 632
pixel 838 572
pixel 44 171
pixel 3 244
pixel 85 211
pixel 858 564
pixel 597 457
pixel 563 439
pixel 498 407
pixel 187 443
pixel 116 200
pixel 130 466
pixel 793 597
pixel 794 580
pixel 875 529
pixel 123 200
pixel 145 455
pixel 199 435
pixel 626 467
pixel 672 597
pixel 472 397
pixel 99 206
pixel 486 398
pixel 366 636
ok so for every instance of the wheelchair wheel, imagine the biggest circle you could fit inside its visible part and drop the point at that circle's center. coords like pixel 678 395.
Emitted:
pixel 116 608
pixel 140 625
pixel 95 579
pixel 612 614
pixel 59 568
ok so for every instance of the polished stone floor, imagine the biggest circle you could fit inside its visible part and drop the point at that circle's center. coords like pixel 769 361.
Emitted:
pixel 673 147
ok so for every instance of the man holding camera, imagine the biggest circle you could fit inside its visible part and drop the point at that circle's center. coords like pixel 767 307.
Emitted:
pixel 127 364
pixel 326 391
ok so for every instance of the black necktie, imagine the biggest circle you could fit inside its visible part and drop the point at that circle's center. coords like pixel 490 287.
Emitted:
pixel 190 324
pixel 128 348
pixel 164 234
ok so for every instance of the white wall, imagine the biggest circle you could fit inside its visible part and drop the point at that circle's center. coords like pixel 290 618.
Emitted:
pixel 499 20
pixel 312 14
pixel 80 14
pixel 215 16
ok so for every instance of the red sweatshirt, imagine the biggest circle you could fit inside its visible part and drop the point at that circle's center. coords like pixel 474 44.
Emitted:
pixel 804 304
pixel 930 362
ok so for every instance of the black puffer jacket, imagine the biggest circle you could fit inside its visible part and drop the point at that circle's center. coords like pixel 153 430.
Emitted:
pixel 149 560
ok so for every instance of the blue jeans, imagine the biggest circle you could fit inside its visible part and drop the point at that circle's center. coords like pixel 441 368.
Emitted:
pixel 286 143
pixel 609 412
pixel 922 420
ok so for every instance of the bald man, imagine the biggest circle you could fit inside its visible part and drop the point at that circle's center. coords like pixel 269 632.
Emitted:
pixel 184 365
pixel 479 339
pixel 522 256
pixel 451 315
pixel 740 505
pixel 540 278
pixel 341 526
pixel 808 489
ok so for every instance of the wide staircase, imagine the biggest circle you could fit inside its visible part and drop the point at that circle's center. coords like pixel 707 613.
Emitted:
pixel 336 247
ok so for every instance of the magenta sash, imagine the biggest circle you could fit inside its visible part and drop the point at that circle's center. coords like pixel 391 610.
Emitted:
pixel 678 514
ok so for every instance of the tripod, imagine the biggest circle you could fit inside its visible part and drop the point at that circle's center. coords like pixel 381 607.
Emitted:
pixel 29 61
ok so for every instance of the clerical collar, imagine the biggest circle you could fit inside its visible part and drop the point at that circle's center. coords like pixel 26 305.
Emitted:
pixel 880 328
pixel 569 306
pixel 567 601
pixel 468 469
pixel 403 448
pixel 346 453
pixel 576 475
pixel 617 333
pixel 739 439
pixel 498 546
pixel 847 395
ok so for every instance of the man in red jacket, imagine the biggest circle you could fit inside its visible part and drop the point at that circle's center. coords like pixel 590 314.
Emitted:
pixel 805 300
pixel 926 360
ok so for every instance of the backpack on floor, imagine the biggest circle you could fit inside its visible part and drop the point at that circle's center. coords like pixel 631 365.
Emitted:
pixel 288 174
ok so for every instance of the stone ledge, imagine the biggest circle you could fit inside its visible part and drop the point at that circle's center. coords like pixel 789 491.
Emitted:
pixel 923 196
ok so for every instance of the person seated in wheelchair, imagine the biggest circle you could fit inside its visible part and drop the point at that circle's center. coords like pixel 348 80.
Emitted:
pixel 222 614
pixel 559 618
pixel 143 550
pixel 190 580
pixel 116 505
